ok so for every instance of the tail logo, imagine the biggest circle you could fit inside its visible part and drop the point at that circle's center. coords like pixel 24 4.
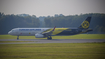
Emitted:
pixel 85 24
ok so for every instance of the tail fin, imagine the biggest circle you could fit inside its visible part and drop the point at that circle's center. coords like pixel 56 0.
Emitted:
pixel 85 24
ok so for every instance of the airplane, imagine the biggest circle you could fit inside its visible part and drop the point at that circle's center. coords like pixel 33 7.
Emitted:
pixel 48 32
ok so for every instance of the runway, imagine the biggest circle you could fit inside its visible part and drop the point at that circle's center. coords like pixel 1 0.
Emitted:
pixel 32 41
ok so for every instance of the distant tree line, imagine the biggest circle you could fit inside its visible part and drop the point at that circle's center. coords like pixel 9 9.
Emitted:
pixel 8 22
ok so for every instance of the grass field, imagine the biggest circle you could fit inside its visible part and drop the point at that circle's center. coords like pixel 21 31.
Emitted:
pixel 53 51
pixel 80 36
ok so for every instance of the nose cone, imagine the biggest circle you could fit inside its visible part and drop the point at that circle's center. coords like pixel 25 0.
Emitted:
pixel 9 32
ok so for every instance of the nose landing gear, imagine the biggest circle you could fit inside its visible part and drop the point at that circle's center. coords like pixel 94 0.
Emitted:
pixel 17 37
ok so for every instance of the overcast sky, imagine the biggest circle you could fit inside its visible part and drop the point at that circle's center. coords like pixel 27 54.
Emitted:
pixel 51 7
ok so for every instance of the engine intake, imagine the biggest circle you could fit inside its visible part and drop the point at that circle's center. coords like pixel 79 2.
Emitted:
pixel 39 36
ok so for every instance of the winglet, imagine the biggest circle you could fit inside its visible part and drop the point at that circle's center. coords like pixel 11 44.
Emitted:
pixel 54 28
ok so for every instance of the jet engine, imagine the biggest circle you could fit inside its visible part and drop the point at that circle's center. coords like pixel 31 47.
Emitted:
pixel 39 35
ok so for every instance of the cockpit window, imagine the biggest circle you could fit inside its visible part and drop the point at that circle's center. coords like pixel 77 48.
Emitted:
pixel 13 30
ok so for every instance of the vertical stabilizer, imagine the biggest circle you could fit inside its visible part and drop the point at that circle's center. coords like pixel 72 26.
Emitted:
pixel 85 24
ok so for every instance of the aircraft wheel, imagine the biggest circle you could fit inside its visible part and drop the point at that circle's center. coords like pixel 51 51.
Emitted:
pixel 49 38
pixel 17 37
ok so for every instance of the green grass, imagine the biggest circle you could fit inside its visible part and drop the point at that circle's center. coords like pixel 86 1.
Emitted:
pixel 80 36
pixel 53 51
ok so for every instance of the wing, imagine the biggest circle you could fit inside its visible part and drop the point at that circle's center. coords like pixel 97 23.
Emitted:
pixel 48 32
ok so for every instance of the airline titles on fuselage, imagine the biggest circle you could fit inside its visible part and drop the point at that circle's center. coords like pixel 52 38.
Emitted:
pixel 29 29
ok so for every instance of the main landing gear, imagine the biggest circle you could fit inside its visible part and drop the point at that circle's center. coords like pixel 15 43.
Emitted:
pixel 17 37
pixel 49 38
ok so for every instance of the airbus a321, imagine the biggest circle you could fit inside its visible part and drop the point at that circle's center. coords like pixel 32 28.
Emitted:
pixel 48 32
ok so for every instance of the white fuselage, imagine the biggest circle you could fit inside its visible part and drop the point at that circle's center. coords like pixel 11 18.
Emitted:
pixel 26 31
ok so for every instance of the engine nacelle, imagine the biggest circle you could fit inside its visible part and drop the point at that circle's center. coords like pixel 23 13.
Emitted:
pixel 39 36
